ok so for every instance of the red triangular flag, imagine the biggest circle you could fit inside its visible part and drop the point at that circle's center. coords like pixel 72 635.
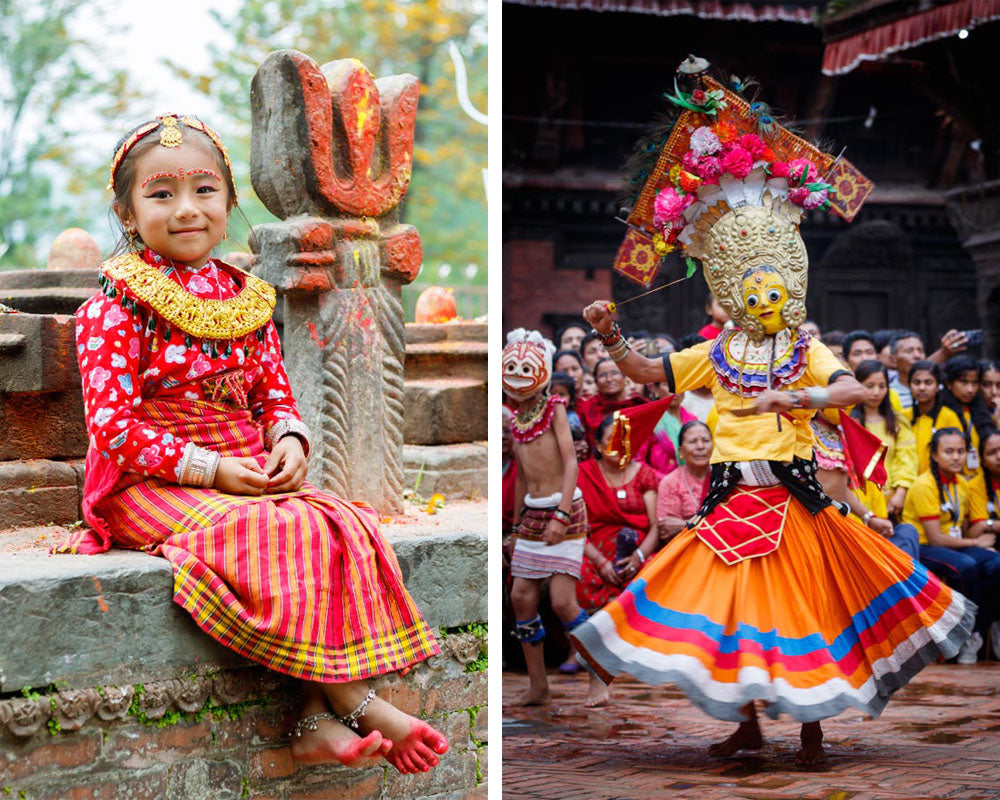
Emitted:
pixel 632 426
pixel 864 451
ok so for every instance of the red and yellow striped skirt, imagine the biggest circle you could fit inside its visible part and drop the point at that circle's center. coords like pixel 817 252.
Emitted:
pixel 301 582
pixel 835 617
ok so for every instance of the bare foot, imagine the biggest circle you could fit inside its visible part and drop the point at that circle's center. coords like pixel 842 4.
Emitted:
pixel 746 737
pixel 598 694
pixel 533 696
pixel 333 743
pixel 415 744
pixel 812 756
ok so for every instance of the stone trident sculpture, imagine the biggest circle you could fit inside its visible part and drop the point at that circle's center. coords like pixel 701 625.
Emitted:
pixel 331 156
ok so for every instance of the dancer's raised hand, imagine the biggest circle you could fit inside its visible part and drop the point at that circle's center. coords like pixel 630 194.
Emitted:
pixel 598 315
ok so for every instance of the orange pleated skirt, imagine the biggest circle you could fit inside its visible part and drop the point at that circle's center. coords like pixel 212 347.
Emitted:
pixel 836 617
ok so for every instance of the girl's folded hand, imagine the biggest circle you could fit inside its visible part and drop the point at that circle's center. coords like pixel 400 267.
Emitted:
pixel 240 476
pixel 286 465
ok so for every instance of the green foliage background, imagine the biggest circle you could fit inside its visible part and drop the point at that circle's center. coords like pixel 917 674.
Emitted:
pixel 49 71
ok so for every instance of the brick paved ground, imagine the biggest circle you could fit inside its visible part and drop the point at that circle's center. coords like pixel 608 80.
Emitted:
pixel 938 738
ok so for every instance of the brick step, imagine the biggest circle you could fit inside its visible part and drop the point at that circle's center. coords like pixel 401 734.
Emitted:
pixel 446 360
pixel 49 279
pixel 54 300
pixel 452 331
pixel 454 470
pixel 444 411
pixel 80 621
pixel 39 492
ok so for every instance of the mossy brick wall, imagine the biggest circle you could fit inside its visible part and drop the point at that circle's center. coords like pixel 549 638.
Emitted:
pixel 236 749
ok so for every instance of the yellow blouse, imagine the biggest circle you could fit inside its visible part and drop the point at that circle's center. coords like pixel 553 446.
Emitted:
pixel 979 501
pixel 872 499
pixel 923 430
pixel 770 436
pixel 973 444
pixel 923 502
pixel 900 453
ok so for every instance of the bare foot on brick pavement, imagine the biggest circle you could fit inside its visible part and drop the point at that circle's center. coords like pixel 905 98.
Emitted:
pixel 599 693
pixel 746 737
pixel 533 696
pixel 812 756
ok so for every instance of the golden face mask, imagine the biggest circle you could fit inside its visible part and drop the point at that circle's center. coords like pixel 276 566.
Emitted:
pixel 764 296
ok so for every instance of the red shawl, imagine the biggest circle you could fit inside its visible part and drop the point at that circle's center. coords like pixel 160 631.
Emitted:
pixel 604 511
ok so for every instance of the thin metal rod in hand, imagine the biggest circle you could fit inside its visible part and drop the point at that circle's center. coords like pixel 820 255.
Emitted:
pixel 613 306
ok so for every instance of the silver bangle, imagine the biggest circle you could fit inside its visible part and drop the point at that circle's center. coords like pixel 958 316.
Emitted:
pixel 198 466
pixel 816 397
pixel 286 427
pixel 867 516
pixel 619 350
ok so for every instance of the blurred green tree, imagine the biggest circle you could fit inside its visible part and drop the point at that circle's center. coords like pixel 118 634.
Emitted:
pixel 46 72
pixel 447 199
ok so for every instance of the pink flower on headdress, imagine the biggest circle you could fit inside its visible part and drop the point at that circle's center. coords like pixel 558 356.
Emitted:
pixel 669 205
pixel 690 162
pixel 752 143
pixel 801 196
pixel 802 170
pixel 704 141
pixel 709 169
pixel 779 169
pixel 737 162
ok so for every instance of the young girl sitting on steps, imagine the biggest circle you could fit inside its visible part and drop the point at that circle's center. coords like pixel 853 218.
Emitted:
pixel 197 454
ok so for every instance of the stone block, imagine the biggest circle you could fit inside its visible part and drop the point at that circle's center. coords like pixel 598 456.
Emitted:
pixel 38 492
pixel 55 300
pixel 445 411
pixel 452 332
pixel 42 425
pixel 447 359
pixel 110 619
pixel 446 574
pixel 95 620
pixel 41 279
pixel 454 470
pixel 37 351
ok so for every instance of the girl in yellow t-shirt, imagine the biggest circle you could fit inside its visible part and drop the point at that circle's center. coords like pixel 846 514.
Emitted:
pixel 937 504
pixel 928 412
pixel 984 507
pixel 893 428
pixel 961 394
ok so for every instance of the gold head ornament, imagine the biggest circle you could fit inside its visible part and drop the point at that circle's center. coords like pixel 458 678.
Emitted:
pixel 731 236
pixel 171 135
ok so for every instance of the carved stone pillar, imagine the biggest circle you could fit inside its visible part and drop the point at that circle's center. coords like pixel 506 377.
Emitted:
pixel 975 214
pixel 331 152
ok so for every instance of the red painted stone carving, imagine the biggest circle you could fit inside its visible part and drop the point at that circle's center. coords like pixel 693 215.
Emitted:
pixel 331 155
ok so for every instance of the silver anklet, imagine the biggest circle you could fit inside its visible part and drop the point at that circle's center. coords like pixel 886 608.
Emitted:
pixel 309 723
pixel 351 720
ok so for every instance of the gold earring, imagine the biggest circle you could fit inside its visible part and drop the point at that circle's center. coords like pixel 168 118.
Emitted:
pixel 131 239
pixel 226 234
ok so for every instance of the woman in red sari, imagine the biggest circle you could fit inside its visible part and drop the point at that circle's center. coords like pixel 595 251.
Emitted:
pixel 621 505
pixel 611 396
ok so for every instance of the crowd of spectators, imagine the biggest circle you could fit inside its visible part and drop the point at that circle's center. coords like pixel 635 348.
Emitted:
pixel 933 413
